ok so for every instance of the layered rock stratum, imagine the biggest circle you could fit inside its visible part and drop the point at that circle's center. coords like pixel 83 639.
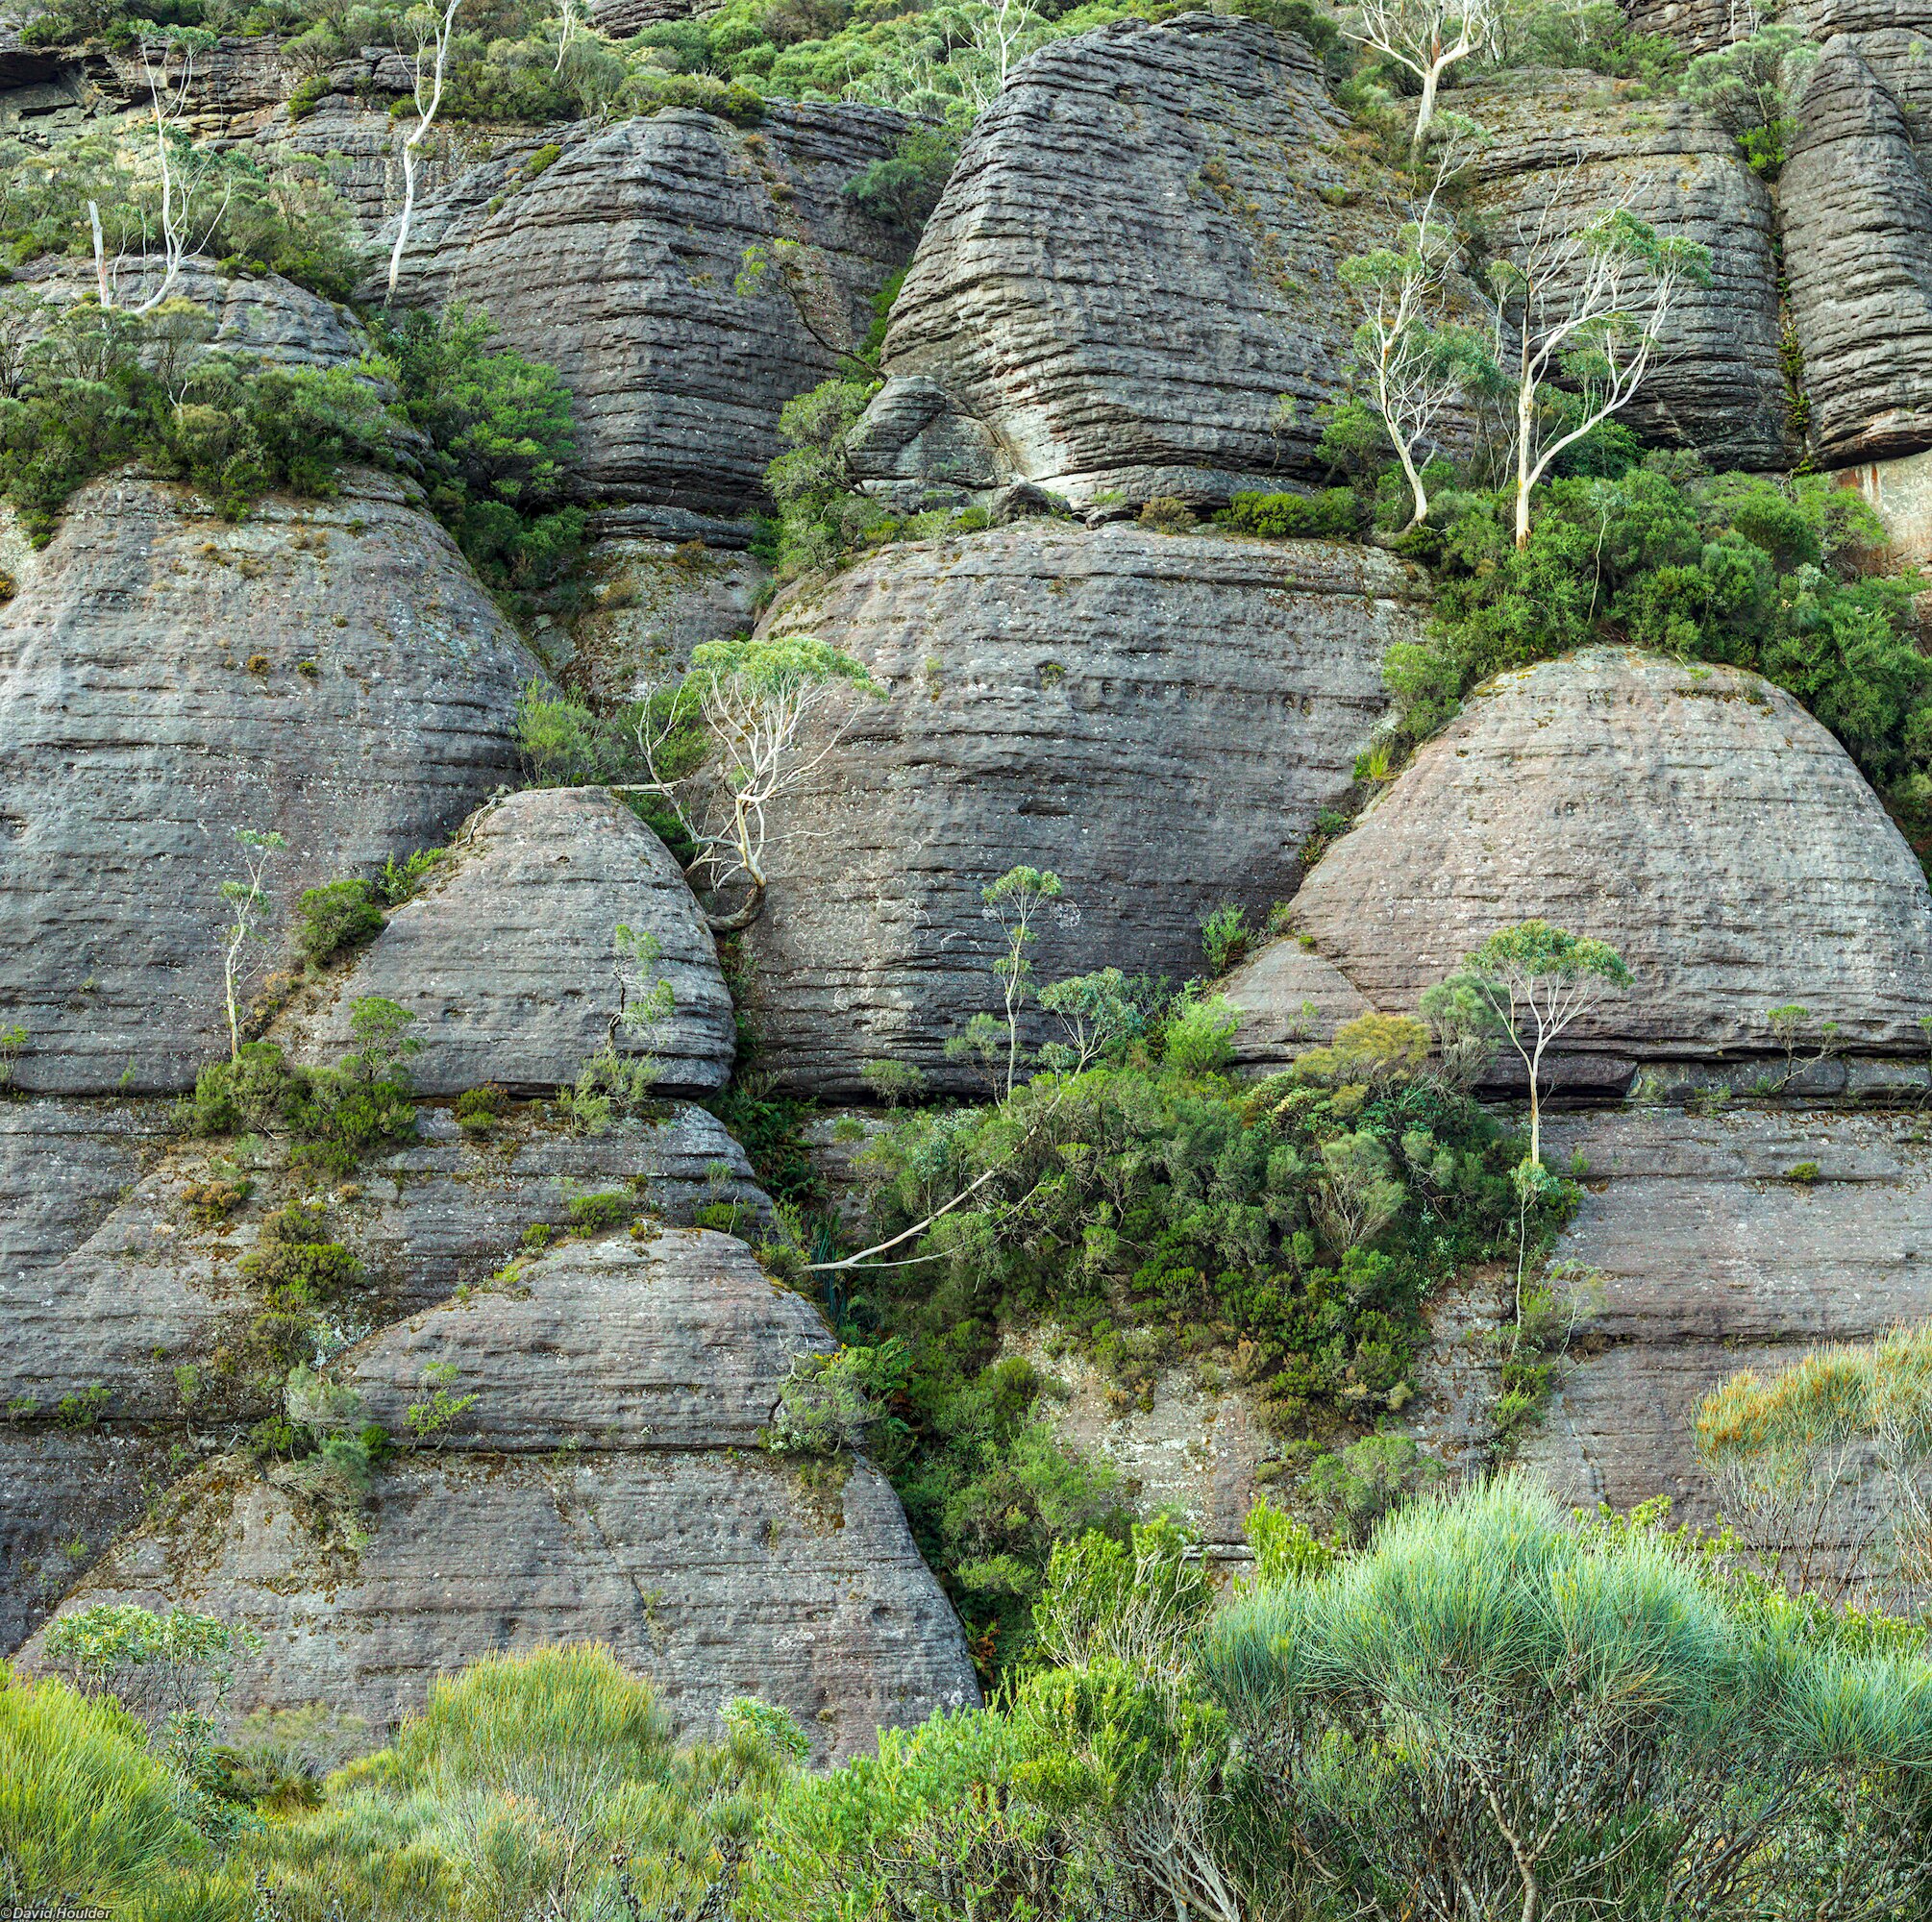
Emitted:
pixel 327 670
pixel 1646 802
pixel 607 1485
pixel 509 961
pixel 1154 719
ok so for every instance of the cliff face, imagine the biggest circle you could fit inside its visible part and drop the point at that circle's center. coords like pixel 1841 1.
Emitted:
pixel 329 672
pixel 1131 289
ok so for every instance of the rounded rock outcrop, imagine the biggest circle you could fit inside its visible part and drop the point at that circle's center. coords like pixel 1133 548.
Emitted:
pixel 328 671
pixel 1696 818
pixel 1157 718
pixel 685 277
pixel 608 1487
pixel 506 959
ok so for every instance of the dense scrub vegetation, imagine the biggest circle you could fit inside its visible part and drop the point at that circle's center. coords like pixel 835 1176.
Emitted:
pixel 1491 1710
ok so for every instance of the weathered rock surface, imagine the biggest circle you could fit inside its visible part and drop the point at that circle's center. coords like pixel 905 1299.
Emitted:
pixel 678 1342
pixel 262 315
pixel 505 958
pixel 1714 1260
pixel 1900 491
pixel 1156 719
pixel 685 277
pixel 1646 802
pixel 330 671
pixel 1130 286
pixel 1290 1000
pixel 1129 283
pixel 104 1288
pixel 661 1529
pixel 1563 147
pixel 1857 211
pixel 652 601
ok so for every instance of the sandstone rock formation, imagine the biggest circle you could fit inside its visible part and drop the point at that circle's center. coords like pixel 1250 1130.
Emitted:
pixel 330 671
pixel 505 958
pixel 658 590
pixel 1714 1258
pixel 1561 148
pixel 1155 718
pixel 1857 210
pixel 109 1284
pixel 1162 315
pixel 1128 286
pixel 607 1486
pixel 1646 802
pixel 687 279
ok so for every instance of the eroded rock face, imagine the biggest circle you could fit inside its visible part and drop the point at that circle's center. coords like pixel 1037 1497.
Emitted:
pixel 1644 801
pixel 1857 211
pixel 328 671
pixel 1128 284
pixel 685 277
pixel 260 316
pixel 654 597
pixel 111 1286
pixel 505 958
pixel 1156 719
pixel 1715 1259
pixel 1561 148
pixel 658 1526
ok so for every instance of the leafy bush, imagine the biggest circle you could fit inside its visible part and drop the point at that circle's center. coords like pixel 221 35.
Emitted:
pixel 500 432
pixel 834 1401
pixel 1739 569
pixel 903 189
pixel 1333 513
pixel 92 393
pixel 334 917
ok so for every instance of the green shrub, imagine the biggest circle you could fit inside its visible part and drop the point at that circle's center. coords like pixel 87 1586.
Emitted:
pixel 336 917
pixel 592 1214
pixel 903 189
pixel 1742 570
pixel 88 1814
pixel 1225 937
pixel 1332 513
pixel 479 1109
pixel 500 432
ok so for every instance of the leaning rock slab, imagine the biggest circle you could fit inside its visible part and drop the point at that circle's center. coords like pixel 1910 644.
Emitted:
pixel 114 1287
pixel 662 1528
pixel 505 958
pixel 1646 802
pixel 328 671
pixel 685 277
pixel 1156 719
pixel 1129 286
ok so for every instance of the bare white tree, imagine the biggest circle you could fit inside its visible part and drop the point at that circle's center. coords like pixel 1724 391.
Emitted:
pixel 1004 33
pixel 248 904
pixel 569 17
pixel 434 30
pixel 756 700
pixel 1588 303
pixel 185 215
pixel 1427 37
pixel 1416 362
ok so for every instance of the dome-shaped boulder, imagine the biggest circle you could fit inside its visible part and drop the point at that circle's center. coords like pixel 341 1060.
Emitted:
pixel 505 958
pixel 1156 719
pixel 1696 818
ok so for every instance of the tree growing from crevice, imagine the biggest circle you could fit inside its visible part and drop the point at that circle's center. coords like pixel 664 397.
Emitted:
pixel 1586 306
pixel 758 702
pixel 436 30
pixel 1533 981
pixel 1426 38
pixel 248 901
